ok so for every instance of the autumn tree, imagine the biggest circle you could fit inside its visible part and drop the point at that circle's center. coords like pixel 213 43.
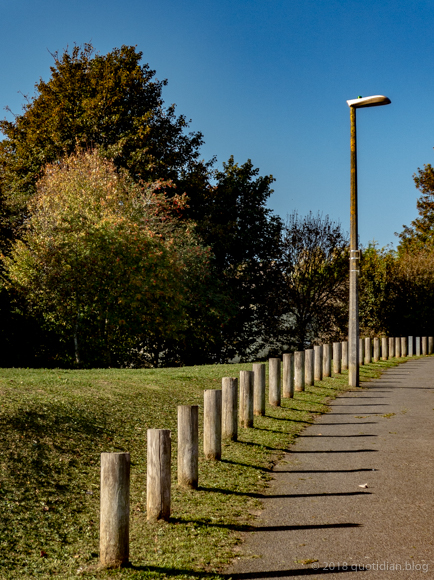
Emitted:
pixel 105 261
pixel 112 101
pixel 115 102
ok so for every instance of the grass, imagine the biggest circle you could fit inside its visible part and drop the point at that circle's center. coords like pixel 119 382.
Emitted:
pixel 55 424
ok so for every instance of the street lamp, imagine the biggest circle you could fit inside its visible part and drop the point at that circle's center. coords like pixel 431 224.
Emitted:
pixel 353 326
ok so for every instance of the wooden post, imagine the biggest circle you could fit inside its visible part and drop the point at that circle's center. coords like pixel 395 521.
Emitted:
pixel 430 344
pixel 274 389
pixel 326 360
pixel 417 345
pixel 212 424
pixel 391 347
pixel 368 348
pixel 361 351
pixel 397 347
pixel 376 349
pixel 288 376
pixel 188 446
pixel 337 358
pixel 309 367
pixel 246 398
pixel 424 345
pixel 403 346
pixel 230 408
pixel 318 354
pixel 158 485
pixel 345 355
pixel 115 509
pixel 410 346
pixel 384 349
pixel 259 389
pixel 299 371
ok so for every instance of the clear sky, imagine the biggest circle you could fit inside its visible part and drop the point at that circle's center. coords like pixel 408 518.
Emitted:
pixel 268 80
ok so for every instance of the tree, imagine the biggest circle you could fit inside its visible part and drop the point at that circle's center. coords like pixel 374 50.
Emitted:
pixel 396 291
pixel 378 290
pixel 115 103
pixel 109 101
pixel 232 218
pixel 106 261
pixel 310 295
pixel 421 231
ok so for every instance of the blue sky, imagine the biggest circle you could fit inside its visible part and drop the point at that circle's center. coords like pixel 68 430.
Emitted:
pixel 268 80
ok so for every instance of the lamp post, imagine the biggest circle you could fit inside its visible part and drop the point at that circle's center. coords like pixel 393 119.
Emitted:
pixel 353 326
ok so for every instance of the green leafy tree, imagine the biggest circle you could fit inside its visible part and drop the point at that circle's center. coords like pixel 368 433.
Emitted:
pixel 396 291
pixel 232 218
pixel 378 287
pixel 106 261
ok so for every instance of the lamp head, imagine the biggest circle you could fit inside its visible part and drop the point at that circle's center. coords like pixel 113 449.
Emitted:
pixel 374 101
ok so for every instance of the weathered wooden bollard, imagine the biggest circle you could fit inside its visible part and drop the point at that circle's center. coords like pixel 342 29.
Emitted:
pixel 397 347
pixel 158 476
pixel 424 345
pixel 309 367
pixel 368 348
pixel 274 380
pixel 403 346
pixel 376 356
pixel 212 424
pixel 417 345
pixel 115 509
pixel 344 345
pixel 259 389
pixel 246 399
pixel 430 344
pixel 230 408
pixel 188 446
pixel 361 351
pixel 299 383
pixel 410 346
pixel 327 360
pixel 391 347
pixel 288 376
pixel 384 349
pixel 337 358
pixel 317 355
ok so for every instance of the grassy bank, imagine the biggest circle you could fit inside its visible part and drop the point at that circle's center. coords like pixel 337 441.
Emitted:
pixel 55 424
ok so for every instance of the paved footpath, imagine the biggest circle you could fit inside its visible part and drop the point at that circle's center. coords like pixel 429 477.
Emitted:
pixel 316 515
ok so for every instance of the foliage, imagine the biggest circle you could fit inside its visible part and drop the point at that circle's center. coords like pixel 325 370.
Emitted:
pixel 105 260
pixel 115 102
pixel 415 294
pixel 421 231
pixel 232 218
pixel 396 291
pixel 311 276
pixel 111 101
pixel 378 287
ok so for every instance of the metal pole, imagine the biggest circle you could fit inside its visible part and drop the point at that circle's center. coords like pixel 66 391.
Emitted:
pixel 353 326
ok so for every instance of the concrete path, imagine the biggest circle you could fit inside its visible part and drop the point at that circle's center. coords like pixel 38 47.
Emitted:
pixel 319 522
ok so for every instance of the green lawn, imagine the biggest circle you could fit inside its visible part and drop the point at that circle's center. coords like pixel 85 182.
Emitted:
pixel 55 424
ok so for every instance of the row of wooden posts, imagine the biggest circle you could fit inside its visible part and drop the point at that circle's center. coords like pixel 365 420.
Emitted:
pixel 224 411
